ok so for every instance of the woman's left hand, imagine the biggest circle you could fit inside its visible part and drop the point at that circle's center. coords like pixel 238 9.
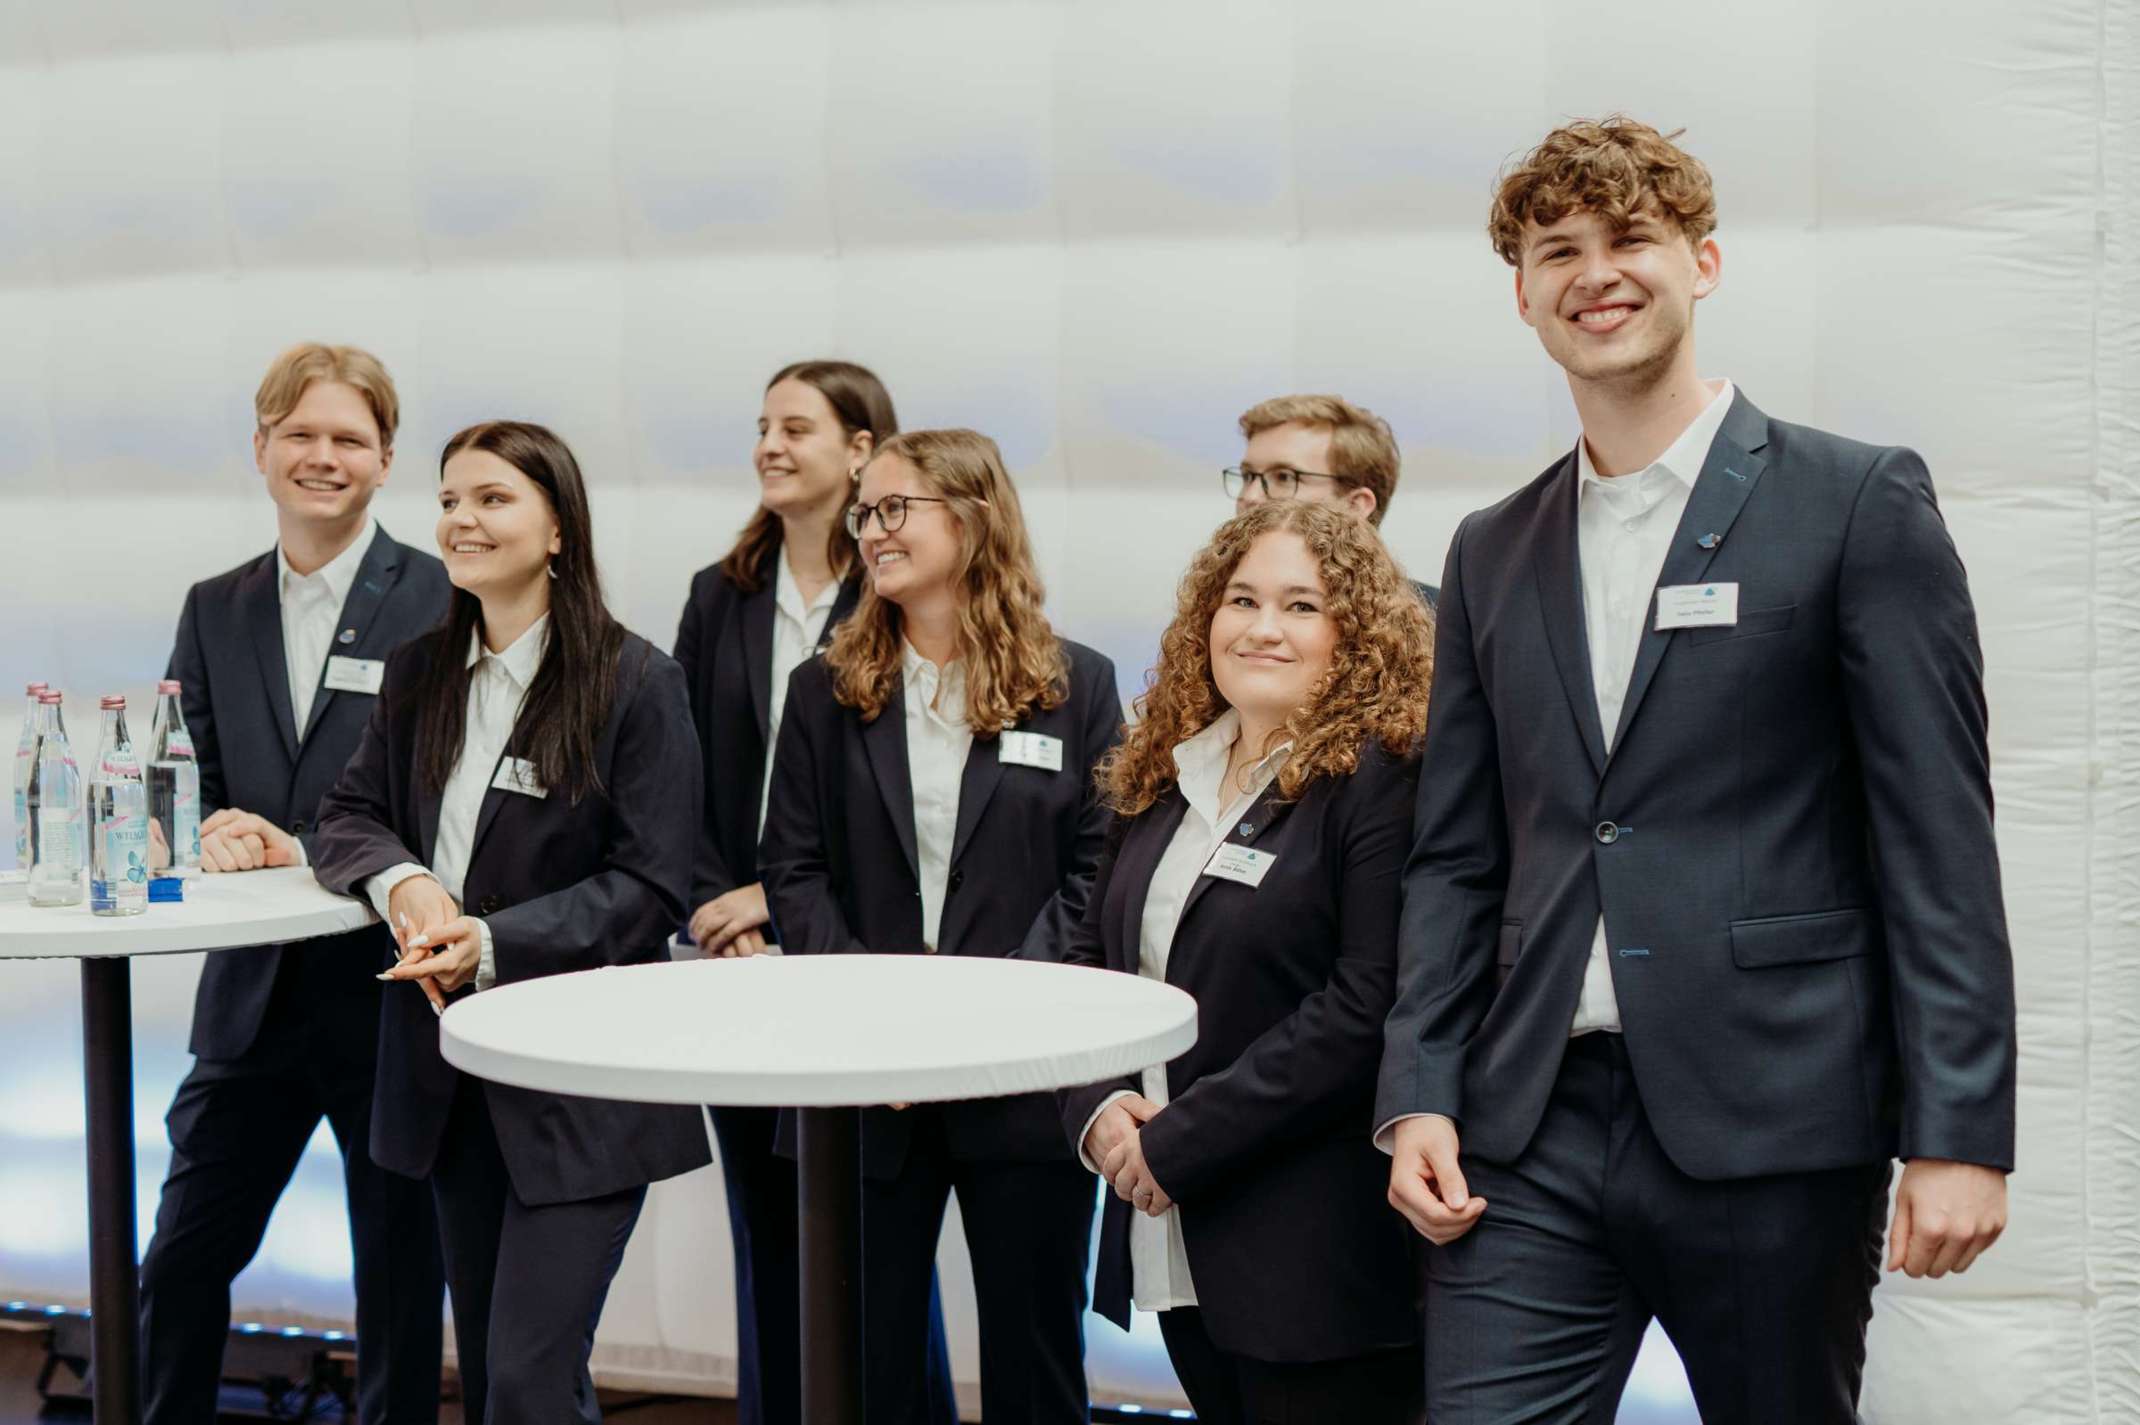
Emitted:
pixel 1132 1176
pixel 448 955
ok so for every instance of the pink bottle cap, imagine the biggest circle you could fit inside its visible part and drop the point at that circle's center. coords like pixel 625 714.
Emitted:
pixel 49 698
pixel 110 701
pixel 35 688
pixel 168 685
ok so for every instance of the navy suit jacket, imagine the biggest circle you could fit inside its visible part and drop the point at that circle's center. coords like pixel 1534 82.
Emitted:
pixel 1790 839
pixel 562 886
pixel 1264 1142
pixel 725 644
pixel 841 874
pixel 236 695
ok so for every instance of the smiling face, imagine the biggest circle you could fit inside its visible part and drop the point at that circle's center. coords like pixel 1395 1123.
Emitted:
pixel 1272 637
pixel 805 457
pixel 1612 306
pixel 921 559
pixel 496 527
pixel 325 459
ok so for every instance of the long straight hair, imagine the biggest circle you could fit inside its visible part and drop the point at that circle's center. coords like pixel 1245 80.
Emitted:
pixel 568 702
pixel 861 403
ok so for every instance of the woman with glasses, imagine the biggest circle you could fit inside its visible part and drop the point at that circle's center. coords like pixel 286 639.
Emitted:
pixel 523 803
pixel 772 602
pixel 933 794
pixel 1267 793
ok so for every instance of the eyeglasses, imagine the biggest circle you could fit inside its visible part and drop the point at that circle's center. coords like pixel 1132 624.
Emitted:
pixel 1278 484
pixel 891 512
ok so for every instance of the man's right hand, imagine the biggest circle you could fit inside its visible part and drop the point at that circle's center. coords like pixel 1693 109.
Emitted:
pixel 1426 1185
pixel 235 840
pixel 1116 1122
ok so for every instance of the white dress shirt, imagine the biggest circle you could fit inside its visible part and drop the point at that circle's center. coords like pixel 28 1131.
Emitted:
pixel 1624 526
pixel 495 692
pixel 311 607
pixel 796 629
pixel 1159 1262
pixel 937 743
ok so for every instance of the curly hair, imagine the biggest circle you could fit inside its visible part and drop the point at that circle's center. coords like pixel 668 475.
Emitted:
pixel 1379 675
pixel 1616 168
pixel 1014 663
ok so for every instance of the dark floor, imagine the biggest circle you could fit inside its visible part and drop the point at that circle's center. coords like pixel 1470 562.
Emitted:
pixel 22 1354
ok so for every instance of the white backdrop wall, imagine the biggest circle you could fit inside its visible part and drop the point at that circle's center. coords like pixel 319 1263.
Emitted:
pixel 1096 230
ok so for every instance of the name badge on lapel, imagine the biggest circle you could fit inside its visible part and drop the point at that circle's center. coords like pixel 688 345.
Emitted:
pixel 517 774
pixel 1697 606
pixel 355 675
pixel 1030 749
pixel 1245 864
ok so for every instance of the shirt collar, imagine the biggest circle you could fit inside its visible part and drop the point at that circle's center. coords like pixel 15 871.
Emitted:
pixel 942 690
pixel 787 594
pixel 1200 764
pixel 520 658
pixel 337 574
pixel 1682 460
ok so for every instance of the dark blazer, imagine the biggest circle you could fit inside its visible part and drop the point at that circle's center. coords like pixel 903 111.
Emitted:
pixel 229 656
pixel 1266 1139
pixel 1791 840
pixel 725 644
pixel 562 887
pixel 840 867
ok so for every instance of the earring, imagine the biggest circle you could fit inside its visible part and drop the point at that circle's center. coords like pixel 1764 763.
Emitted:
pixel 552 567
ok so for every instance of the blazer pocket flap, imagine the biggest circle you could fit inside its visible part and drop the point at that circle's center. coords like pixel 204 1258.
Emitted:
pixel 1510 944
pixel 1752 624
pixel 1802 939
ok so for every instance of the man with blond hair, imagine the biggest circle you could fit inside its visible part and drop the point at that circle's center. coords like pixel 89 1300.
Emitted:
pixel 279 662
pixel 1321 449
pixel 1702 923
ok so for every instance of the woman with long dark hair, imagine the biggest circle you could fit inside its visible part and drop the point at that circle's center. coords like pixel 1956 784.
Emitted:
pixel 1266 802
pixel 774 600
pixel 524 803
pixel 933 794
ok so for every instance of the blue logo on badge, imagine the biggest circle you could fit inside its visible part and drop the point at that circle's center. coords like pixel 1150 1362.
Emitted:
pixel 1710 592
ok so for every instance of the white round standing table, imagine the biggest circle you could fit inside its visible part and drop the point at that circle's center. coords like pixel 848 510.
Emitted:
pixel 219 913
pixel 826 1034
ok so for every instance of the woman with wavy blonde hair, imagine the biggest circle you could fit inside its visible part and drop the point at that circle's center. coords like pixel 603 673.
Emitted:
pixel 934 793
pixel 1266 796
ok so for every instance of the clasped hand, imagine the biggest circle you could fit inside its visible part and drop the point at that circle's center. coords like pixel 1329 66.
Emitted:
pixel 1116 1142
pixel 237 840
pixel 728 925
pixel 441 949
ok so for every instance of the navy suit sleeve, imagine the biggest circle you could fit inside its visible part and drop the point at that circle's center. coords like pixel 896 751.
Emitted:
pixel 710 876
pixel 355 837
pixel 1099 728
pixel 794 863
pixel 1913 675
pixel 190 666
pixel 1455 881
pixel 1291 1082
pixel 637 899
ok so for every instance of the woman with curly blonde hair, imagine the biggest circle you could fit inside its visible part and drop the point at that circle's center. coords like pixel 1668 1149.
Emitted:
pixel 1266 796
pixel 933 793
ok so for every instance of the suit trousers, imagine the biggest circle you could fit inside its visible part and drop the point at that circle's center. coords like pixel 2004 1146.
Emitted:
pixel 1028 1230
pixel 1379 1388
pixel 528 1282
pixel 238 1128
pixel 1763 1284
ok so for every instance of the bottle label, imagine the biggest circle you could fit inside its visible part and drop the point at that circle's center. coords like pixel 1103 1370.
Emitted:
pixel 186 816
pixel 126 863
pixel 178 744
pixel 59 840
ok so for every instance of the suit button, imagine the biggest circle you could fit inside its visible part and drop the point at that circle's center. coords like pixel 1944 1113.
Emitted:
pixel 297 827
pixel 490 905
pixel 1607 833
pixel 954 880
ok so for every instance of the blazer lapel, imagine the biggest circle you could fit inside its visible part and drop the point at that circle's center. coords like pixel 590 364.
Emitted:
pixel 1727 480
pixel 263 616
pixel 1560 593
pixel 885 742
pixel 758 611
pixel 375 577
pixel 493 801
pixel 1255 824
pixel 984 769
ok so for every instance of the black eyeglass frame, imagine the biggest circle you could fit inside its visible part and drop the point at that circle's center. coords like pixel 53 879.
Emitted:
pixel 858 514
pixel 1235 481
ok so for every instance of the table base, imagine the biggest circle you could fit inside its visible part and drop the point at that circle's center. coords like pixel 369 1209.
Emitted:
pixel 829 1170
pixel 114 1272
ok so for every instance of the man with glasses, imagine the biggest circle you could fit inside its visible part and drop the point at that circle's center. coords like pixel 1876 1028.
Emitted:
pixel 1321 449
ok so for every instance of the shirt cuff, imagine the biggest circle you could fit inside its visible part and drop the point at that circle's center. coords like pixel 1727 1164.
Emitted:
pixel 1105 1104
pixel 380 888
pixel 1386 1135
pixel 487 967
pixel 302 858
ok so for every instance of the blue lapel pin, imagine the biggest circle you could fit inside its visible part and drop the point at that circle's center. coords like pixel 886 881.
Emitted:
pixel 346 637
pixel 1710 541
pixel 1733 473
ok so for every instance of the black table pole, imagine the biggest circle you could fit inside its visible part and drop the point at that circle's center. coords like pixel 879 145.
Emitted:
pixel 829 1153
pixel 114 1274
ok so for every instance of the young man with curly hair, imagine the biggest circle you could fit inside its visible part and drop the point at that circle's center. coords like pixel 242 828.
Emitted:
pixel 1702 924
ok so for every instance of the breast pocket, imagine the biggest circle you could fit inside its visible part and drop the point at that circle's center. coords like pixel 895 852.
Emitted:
pixel 1752 624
